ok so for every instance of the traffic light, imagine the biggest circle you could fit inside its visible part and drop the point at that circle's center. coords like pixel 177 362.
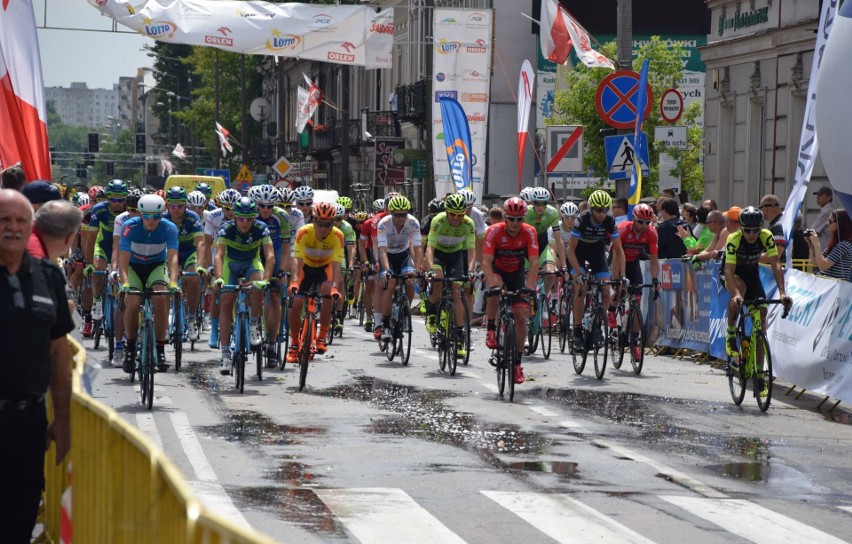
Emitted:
pixel 110 169
pixel 81 172
pixel 89 159
pixel 94 142
pixel 140 143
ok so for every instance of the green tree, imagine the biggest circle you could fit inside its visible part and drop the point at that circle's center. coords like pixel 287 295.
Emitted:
pixel 576 105
pixel 690 169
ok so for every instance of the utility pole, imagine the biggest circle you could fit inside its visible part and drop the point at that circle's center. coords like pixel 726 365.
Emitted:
pixel 216 100
pixel 344 131
pixel 243 120
pixel 624 44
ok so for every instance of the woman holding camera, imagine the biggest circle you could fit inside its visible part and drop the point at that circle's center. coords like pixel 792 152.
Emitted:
pixel 836 260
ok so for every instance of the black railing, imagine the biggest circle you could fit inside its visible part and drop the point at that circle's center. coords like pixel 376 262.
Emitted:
pixel 413 102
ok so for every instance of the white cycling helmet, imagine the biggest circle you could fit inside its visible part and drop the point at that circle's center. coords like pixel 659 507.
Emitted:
pixel 229 197
pixel 151 204
pixel 82 199
pixel 303 193
pixel 378 204
pixel 469 197
pixel 526 194
pixel 264 194
pixel 340 211
pixel 287 195
pixel 540 194
pixel 569 209
pixel 196 199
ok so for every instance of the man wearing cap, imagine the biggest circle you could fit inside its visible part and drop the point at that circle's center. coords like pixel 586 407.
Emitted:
pixel 771 208
pixel 825 199
pixel 39 191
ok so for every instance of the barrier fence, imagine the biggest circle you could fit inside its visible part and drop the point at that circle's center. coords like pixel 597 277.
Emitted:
pixel 123 488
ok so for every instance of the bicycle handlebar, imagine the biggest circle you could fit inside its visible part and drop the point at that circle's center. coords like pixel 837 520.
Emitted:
pixel 764 301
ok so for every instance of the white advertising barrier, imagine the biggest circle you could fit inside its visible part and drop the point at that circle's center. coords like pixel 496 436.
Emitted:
pixel 355 35
pixel 812 347
pixel 461 70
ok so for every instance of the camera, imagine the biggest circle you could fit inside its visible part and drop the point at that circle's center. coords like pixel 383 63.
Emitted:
pixel 809 232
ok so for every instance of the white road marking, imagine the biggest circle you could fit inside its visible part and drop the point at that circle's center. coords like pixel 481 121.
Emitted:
pixel 146 424
pixel 192 448
pixel 751 521
pixel 381 515
pixel 847 508
pixel 564 519
pixel 214 497
pixel 543 411
pixel 570 424
pixel 677 476
pixel 491 387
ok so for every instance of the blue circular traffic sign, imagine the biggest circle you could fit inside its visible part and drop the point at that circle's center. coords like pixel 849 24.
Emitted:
pixel 617 99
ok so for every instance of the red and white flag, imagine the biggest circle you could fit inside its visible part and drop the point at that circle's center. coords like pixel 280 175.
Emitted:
pixel 307 104
pixel 166 167
pixel 560 31
pixel 223 135
pixel 23 118
pixel 179 152
pixel 526 83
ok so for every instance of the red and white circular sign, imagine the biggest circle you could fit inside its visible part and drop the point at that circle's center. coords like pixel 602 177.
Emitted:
pixel 671 105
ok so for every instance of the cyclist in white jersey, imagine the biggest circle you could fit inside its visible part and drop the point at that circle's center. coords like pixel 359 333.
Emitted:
pixel 397 234
pixel 212 224
pixel 118 322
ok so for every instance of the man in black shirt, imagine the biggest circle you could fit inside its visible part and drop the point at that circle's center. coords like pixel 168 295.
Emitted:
pixel 35 317
pixel 669 243
pixel 771 208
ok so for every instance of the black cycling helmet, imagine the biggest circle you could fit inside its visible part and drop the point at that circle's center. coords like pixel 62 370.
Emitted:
pixel 436 205
pixel 751 217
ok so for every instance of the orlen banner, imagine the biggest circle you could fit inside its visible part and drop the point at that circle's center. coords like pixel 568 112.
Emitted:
pixel 355 35
pixel 461 70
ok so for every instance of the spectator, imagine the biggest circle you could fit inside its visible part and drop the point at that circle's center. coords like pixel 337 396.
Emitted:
pixel 393 104
pixel 13 178
pixel 583 206
pixel 801 251
pixel 670 245
pixel 824 198
pixel 700 220
pixel 710 203
pixel 669 193
pixel 495 215
pixel 33 307
pixel 771 208
pixel 732 224
pixel 690 214
pixel 54 229
pixel 39 191
pixel 715 226
pixel 619 210
pixel 836 260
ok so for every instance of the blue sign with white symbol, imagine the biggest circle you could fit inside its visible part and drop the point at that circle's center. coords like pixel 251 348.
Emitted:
pixel 225 174
pixel 621 155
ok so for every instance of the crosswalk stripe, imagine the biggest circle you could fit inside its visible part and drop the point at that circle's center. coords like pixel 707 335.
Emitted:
pixel 543 411
pixel 146 424
pixel 192 448
pixel 381 515
pixel 751 521
pixel 847 508
pixel 565 519
pixel 214 497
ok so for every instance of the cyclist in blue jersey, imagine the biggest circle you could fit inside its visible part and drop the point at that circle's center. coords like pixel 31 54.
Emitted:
pixel 147 244
pixel 190 246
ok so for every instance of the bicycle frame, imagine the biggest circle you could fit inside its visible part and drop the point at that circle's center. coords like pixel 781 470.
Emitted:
pixel 240 332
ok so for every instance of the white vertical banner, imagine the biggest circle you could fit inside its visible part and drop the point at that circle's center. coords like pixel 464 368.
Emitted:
pixel 461 70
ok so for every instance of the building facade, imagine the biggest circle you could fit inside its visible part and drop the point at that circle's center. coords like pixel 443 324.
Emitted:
pixel 78 105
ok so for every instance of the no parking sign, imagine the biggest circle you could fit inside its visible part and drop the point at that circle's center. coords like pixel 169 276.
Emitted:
pixel 617 97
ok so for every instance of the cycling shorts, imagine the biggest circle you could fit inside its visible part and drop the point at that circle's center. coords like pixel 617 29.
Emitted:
pixel 453 264
pixel 400 263
pixel 513 281
pixel 312 277
pixel 145 276
pixel 232 271
pixel 595 255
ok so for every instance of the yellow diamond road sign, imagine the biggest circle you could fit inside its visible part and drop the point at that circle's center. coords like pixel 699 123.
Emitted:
pixel 282 166
pixel 244 175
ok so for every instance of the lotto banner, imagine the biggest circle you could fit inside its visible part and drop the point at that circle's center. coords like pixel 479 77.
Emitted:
pixel 340 34
pixel 461 71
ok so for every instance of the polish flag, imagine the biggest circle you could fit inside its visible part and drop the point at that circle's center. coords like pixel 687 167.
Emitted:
pixel 23 118
pixel 223 135
pixel 560 32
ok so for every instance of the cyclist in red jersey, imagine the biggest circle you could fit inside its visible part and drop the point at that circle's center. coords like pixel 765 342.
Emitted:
pixel 507 244
pixel 638 236
pixel 368 260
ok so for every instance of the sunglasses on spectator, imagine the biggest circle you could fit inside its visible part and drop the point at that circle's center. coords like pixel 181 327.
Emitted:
pixel 751 230
pixel 151 216
pixel 266 206
pixel 322 224
pixel 305 203
pixel 17 294
pixel 513 219
pixel 641 221
pixel 116 200
pixel 600 210
pixel 400 215
pixel 245 218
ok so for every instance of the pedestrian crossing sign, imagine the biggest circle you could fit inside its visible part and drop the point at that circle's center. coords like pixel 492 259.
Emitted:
pixel 244 175
pixel 621 155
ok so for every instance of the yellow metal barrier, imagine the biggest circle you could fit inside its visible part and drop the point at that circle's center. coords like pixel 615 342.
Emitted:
pixel 804 265
pixel 124 490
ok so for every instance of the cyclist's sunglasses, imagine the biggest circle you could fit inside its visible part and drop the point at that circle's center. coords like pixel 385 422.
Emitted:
pixel 751 230
pixel 305 203
pixel 117 200
pixel 600 210
pixel 266 206
pixel 400 215
pixel 641 221
pixel 151 216
pixel 513 219
pixel 323 224
pixel 245 218
pixel 456 215
pixel 176 205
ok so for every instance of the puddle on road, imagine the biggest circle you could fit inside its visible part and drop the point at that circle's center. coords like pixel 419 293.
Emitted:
pixel 200 378
pixel 751 472
pixel 254 429
pixel 562 468
pixel 295 474
pixel 300 507
pixel 422 414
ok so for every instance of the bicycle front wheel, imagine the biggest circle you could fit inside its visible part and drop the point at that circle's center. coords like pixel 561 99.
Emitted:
pixel 305 348
pixel 617 339
pixel 453 342
pixel 509 356
pixel 500 354
pixel 151 365
pixel 177 336
pixel 637 340
pixel 565 312
pixel 405 332
pixel 465 340
pixel 96 327
pixel 735 369
pixel 763 375
pixel 600 333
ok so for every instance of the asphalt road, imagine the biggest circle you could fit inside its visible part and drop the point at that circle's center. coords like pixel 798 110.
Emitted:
pixel 373 451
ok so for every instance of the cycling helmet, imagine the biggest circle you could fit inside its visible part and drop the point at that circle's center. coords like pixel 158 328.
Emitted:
pixel 515 207
pixel 303 193
pixel 644 212
pixel 116 187
pixel 569 209
pixel 345 201
pixel 245 207
pixel 469 197
pixel 152 204
pixel 455 203
pixel 378 204
pixel 540 194
pixel 389 196
pixel 101 194
pixel 360 216
pixel 287 195
pixel 264 194
pixel 204 189
pixel 399 204
pixel 176 194
pixel 324 211
pixel 526 194
pixel 600 199
pixel 340 211
pixel 133 198
pixel 93 191
pixel 196 199
pixel 436 205
pixel 82 199
pixel 228 198
pixel 160 193
pixel 751 217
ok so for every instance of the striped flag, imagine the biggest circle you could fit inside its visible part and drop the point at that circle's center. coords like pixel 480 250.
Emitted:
pixel 635 191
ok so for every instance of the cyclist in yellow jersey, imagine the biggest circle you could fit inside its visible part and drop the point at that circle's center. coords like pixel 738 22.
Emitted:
pixel 318 254
pixel 742 276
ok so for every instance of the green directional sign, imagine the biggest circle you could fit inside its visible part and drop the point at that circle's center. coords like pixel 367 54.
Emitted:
pixel 418 168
